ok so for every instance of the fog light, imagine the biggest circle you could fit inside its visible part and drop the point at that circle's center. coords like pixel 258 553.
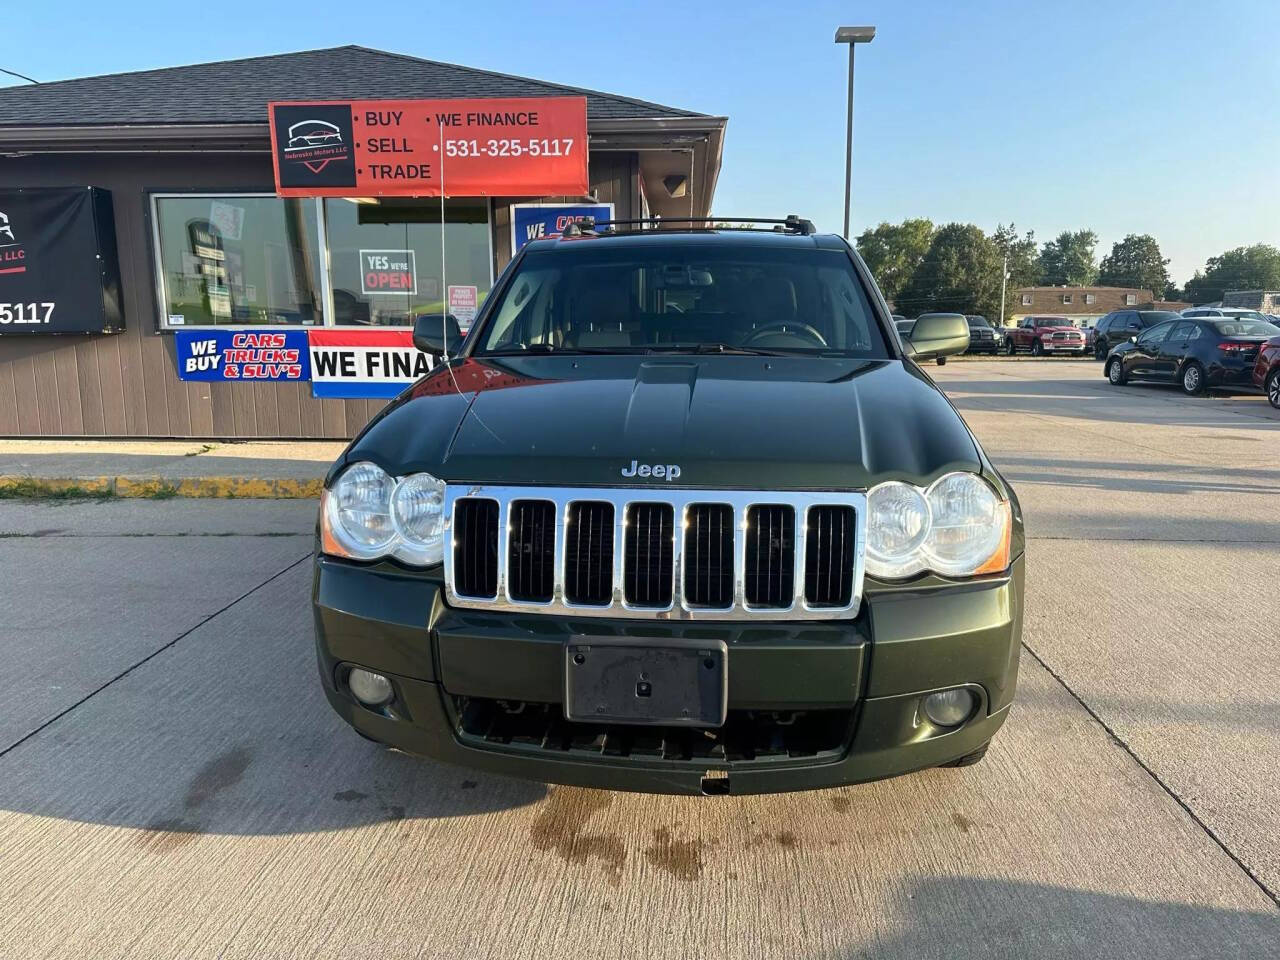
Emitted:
pixel 949 708
pixel 371 689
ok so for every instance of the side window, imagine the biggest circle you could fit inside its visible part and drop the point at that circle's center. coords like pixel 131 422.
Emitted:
pixel 1154 335
pixel 1131 320
pixel 1104 324
pixel 1183 330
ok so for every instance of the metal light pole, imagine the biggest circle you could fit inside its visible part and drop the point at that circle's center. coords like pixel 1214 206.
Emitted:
pixel 852 36
pixel 1004 279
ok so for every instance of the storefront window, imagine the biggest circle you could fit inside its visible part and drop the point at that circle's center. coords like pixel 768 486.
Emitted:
pixel 384 258
pixel 238 260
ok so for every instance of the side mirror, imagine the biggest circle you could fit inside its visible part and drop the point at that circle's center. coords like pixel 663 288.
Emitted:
pixel 434 332
pixel 939 335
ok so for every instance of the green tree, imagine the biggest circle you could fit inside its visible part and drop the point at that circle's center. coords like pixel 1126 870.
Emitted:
pixel 1135 261
pixel 1069 259
pixel 1022 262
pixel 1256 267
pixel 893 251
pixel 960 273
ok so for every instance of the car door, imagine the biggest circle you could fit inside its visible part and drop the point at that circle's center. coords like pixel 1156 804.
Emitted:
pixel 1142 359
pixel 1127 324
pixel 1173 348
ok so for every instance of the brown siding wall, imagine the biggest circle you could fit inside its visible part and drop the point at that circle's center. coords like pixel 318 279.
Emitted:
pixel 127 384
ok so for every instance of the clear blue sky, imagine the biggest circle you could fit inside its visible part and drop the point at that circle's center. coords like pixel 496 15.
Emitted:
pixel 1143 116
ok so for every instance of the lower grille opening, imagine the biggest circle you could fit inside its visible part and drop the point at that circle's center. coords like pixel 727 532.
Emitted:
pixel 648 544
pixel 747 735
pixel 531 552
pixel 770 572
pixel 475 550
pixel 588 555
pixel 708 555
pixel 829 555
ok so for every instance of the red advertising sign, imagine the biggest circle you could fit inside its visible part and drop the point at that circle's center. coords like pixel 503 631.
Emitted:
pixel 515 147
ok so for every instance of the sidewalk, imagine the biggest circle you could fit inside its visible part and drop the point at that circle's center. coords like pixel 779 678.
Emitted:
pixel 164 468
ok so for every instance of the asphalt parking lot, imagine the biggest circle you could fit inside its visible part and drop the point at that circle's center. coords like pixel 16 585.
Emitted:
pixel 172 783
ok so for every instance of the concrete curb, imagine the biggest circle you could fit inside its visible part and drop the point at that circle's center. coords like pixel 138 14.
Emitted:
pixel 160 488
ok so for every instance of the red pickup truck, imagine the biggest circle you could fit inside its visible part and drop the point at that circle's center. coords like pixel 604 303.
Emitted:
pixel 1043 335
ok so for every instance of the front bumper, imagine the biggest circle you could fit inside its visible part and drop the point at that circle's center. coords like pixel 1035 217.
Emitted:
pixel 866 676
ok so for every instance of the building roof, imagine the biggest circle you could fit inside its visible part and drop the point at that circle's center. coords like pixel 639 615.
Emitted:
pixel 237 91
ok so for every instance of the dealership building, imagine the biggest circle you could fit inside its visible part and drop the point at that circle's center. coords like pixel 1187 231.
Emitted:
pixel 137 208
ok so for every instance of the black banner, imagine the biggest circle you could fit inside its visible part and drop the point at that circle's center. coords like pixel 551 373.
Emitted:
pixel 58 267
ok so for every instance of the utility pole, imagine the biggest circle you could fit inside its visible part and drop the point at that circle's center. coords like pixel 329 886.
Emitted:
pixel 1004 280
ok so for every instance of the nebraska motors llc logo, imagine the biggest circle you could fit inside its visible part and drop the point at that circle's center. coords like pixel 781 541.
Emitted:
pixel 13 258
pixel 313 145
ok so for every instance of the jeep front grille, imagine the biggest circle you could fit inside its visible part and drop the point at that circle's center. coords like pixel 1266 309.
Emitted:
pixel 771 555
pixel 829 560
pixel 475 548
pixel 655 552
pixel 531 550
pixel 708 555
pixel 588 553
pixel 648 566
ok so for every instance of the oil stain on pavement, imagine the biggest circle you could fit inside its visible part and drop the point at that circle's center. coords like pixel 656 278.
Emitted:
pixel 561 824
pixel 680 858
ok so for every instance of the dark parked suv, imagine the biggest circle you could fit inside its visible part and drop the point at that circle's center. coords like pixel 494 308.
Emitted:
pixel 1119 325
pixel 682 514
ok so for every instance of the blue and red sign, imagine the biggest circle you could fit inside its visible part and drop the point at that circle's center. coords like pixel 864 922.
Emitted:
pixel 536 221
pixel 209 355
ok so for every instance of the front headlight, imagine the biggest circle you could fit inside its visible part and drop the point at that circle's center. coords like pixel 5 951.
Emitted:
pixel 957 527
pixel 367 515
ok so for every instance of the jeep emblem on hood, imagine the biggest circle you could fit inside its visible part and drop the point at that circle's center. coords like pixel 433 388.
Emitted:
pixel 659 471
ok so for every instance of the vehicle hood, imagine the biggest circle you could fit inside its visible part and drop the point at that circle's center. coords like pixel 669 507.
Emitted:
pixel 1056 327
pixel 726 422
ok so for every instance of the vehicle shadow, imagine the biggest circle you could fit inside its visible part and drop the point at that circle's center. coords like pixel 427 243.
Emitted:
pixel 994 919
pixel 228 732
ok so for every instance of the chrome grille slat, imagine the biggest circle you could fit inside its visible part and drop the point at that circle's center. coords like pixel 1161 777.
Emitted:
pixel 689 547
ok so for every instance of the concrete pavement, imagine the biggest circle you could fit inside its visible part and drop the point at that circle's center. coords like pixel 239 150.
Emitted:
pixel 202 800
pixel 1154 540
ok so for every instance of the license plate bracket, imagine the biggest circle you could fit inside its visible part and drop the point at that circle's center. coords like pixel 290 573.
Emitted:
pixel 636 680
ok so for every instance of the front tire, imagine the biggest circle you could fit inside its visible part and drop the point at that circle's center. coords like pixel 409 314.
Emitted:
pixel 969 759
pixel 1193 379
pixel 1037 349
pixel 1011 348
pixel 1099 351
pixel 1115 373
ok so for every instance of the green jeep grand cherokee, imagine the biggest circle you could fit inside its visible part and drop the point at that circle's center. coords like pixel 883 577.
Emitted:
pixel 682 514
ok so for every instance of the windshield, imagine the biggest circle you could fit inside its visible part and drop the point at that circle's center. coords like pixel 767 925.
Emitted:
pixel 605 297
pixel 1246 328
pixel 977 321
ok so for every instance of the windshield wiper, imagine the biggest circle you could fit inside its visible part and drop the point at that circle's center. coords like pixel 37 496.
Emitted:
pixel 712 347
pixel 544 348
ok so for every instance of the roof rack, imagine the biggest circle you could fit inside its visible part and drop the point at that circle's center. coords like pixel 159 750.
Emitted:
pixel 792 224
